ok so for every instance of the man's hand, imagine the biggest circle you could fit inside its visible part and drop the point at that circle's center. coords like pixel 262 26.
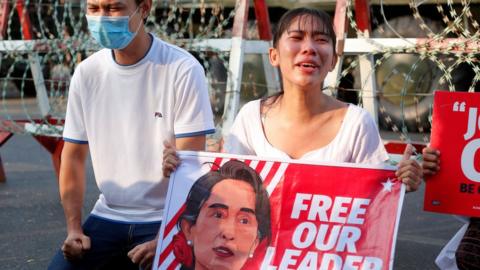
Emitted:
pixel 409 171
pixel 143 254
pixel 431 160
pixel 75 246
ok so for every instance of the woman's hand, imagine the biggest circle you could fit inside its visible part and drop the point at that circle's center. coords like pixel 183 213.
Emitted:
pixel 409 171
pixel 170 159
pixel 214 145
pixel 431 160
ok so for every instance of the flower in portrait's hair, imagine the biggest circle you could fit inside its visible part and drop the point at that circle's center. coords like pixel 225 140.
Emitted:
pixel 182 251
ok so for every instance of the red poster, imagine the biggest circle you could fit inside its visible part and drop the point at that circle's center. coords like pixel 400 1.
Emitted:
pixel 314 216
pixel 456 133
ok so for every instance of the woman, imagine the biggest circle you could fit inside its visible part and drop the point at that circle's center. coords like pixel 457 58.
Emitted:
pixel 227 215
pixel 301 122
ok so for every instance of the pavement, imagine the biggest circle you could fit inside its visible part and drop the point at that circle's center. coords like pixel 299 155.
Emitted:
pixel 32 224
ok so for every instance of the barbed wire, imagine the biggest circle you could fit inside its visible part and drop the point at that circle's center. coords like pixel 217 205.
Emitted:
pixel 436 52
pixel 405 76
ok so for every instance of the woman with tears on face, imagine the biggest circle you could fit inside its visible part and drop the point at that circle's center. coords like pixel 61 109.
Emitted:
pixel 301 122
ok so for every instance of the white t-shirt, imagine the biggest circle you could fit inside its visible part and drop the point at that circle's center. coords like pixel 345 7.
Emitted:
pixel 357 141
pixel 125 113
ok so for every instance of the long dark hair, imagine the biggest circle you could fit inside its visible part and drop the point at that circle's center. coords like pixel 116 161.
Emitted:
pixel 310 15
pixel 233 169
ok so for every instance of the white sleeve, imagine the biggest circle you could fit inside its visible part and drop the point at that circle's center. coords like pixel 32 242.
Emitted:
pixel 193 113
pixel 238 140
pixel 446 259
pixel 74 130
pixel 368 146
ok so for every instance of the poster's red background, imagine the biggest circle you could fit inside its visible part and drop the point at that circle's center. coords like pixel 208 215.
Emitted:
pixel 284 180
pixel 442 193
pixel 377 238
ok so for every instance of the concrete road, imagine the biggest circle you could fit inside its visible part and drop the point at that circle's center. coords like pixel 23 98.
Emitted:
pixel 32 224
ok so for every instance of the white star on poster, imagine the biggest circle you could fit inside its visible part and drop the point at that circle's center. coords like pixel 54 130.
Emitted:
pixel 387 185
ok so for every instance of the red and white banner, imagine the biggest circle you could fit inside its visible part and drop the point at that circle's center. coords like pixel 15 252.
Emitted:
pixel 455 189
pixel 322 216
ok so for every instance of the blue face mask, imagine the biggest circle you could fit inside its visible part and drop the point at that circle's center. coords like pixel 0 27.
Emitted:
pixel 111 32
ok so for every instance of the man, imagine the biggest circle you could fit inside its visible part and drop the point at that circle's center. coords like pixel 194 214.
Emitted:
pixel 124 102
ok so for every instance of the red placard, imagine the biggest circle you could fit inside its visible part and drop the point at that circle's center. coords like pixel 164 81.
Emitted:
pixel 323 216
pixel 455 189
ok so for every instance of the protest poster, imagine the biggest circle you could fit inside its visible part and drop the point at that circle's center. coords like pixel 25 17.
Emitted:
pixel 455 189
pixel 322 216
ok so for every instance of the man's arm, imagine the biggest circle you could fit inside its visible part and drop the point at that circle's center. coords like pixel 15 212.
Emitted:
pixel 72 189
pixel 196 143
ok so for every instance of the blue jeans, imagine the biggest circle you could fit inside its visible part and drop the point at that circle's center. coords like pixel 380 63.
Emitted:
pixel 110 243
